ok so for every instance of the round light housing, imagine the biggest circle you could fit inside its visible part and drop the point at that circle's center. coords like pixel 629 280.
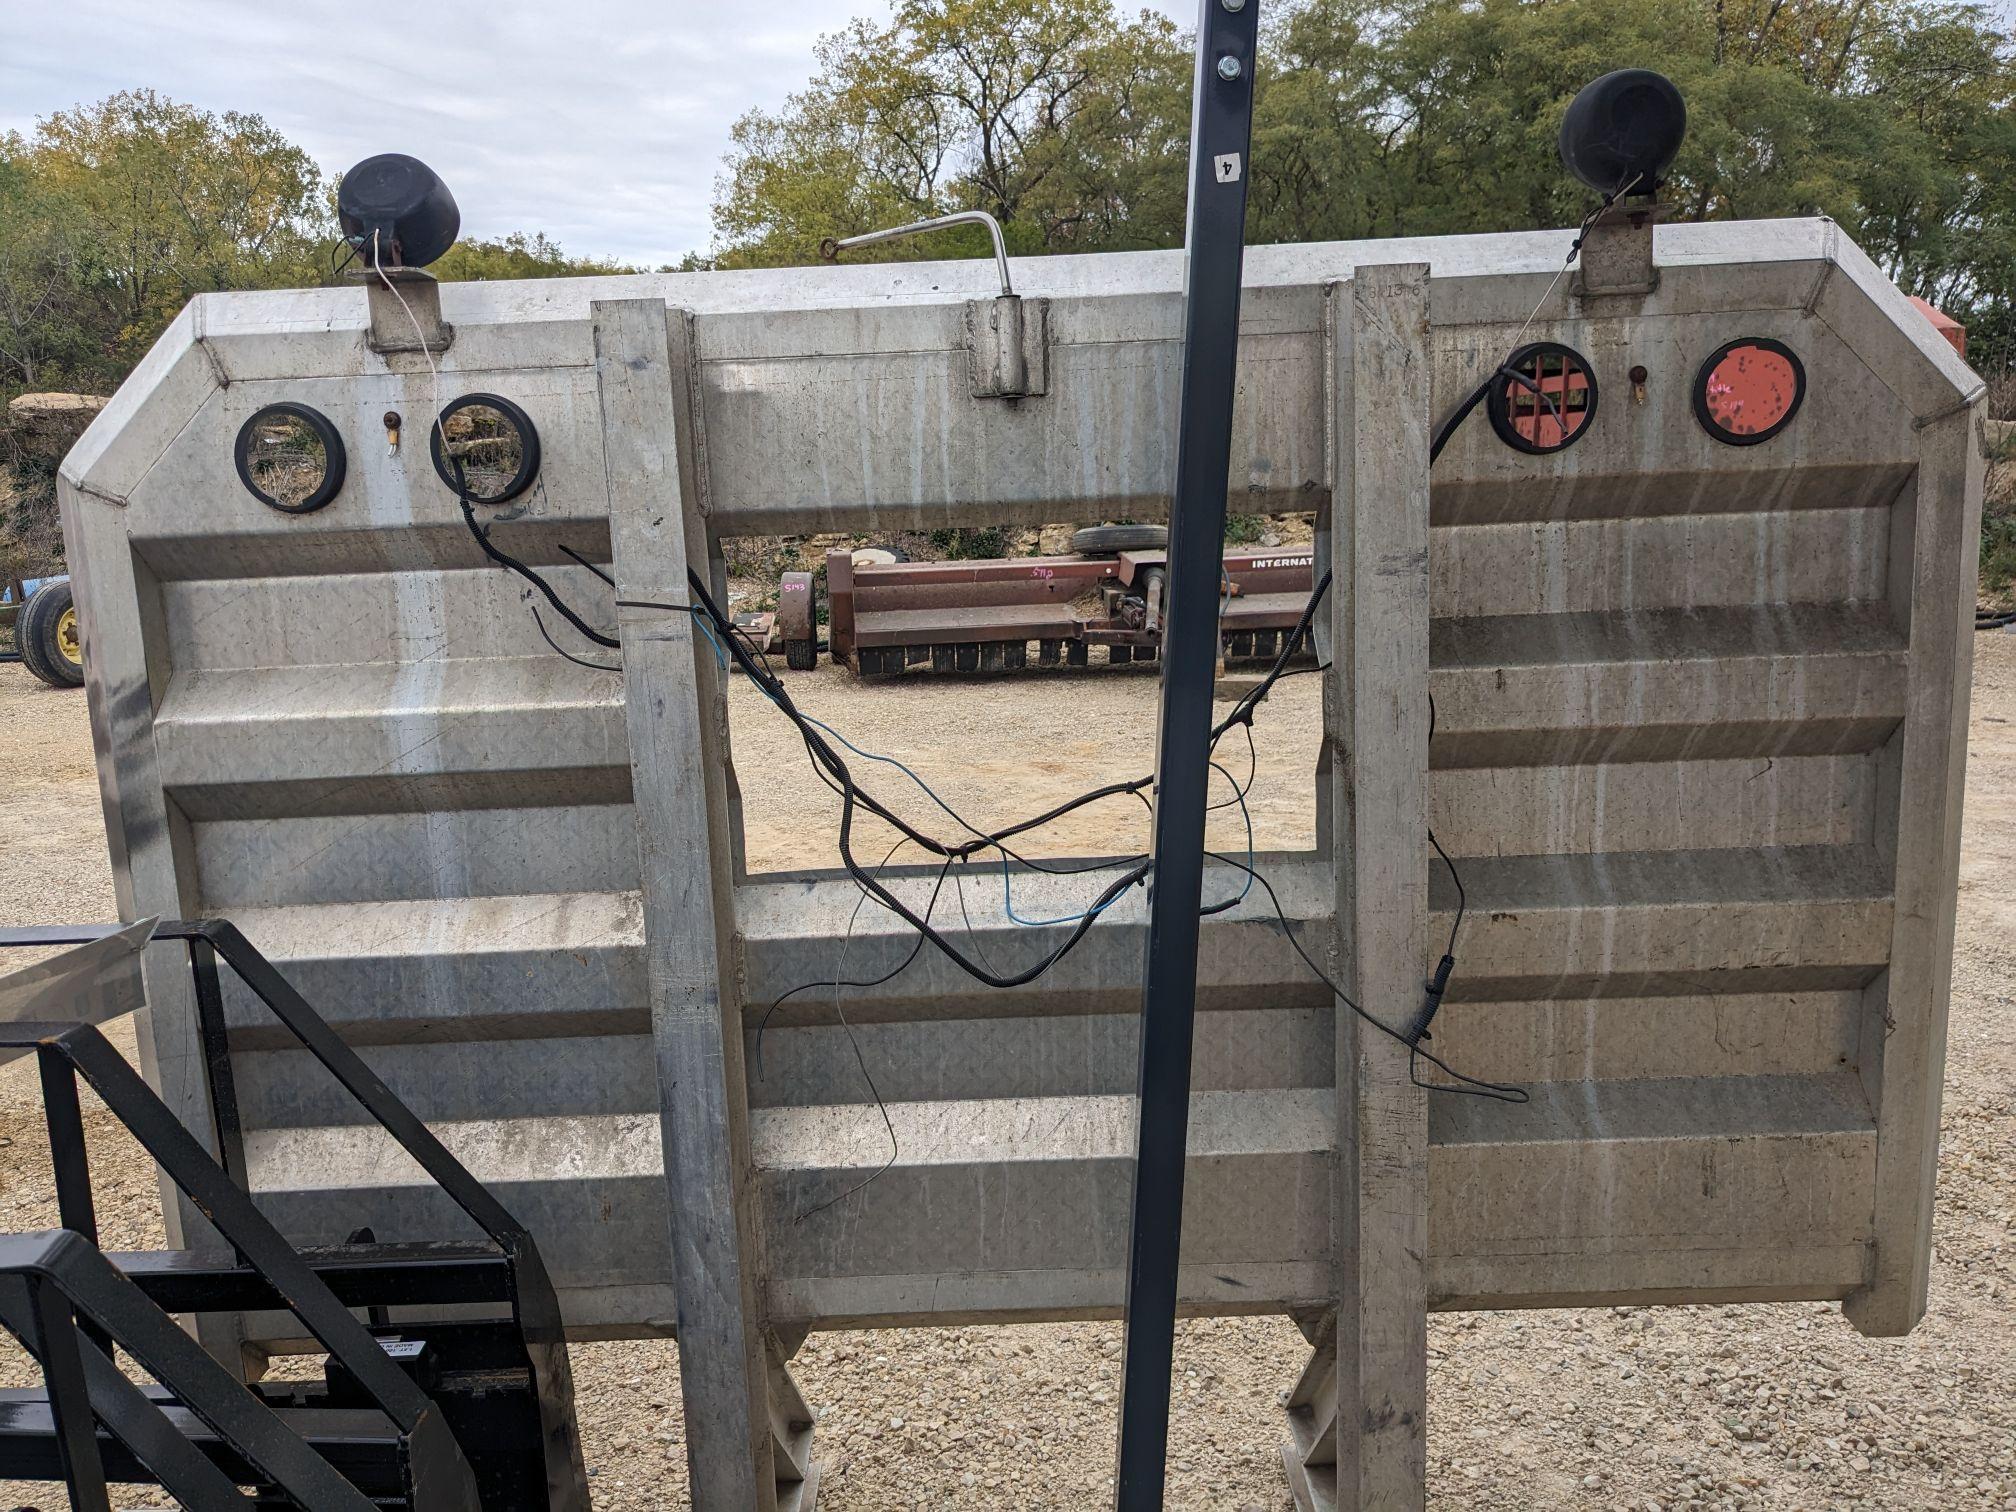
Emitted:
pixel 1622 132
pixel 1748 390
pixel 401 204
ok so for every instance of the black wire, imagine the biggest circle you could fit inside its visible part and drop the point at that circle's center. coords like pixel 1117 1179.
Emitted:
pixel 505 559
pixel 983 839
pixel 853 796
pixel 1462 411
pixel 1252 770
pixel 589 565
pixel 860 1058
pixel 972 934
pixel 1462 897
pixel 1227 904
pixel 833 769
pixel 578 661
pixel 824 758
pixel 1242 711
pixel 784 997
pixel 1532 386
pixel 1472 1086
pixel 1298 671
pixel 1460 414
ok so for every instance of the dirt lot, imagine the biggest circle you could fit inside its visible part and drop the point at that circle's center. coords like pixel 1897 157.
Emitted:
pixel 1779 1407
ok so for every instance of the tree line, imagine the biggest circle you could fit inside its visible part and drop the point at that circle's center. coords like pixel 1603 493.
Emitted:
pixel 113 216
pixel 1069 122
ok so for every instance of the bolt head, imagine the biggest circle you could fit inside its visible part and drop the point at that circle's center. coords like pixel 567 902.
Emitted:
pixel 1228 68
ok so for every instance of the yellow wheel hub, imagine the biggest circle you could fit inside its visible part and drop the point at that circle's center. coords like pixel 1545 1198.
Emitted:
pixel 67 639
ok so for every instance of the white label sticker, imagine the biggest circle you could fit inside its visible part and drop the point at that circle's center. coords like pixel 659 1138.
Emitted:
pixel 1227 165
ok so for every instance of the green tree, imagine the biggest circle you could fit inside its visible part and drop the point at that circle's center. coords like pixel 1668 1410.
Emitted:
pixel 1027 109
pixel 44 329
pixel 516 256
pixel 161 201
pixel 1395 117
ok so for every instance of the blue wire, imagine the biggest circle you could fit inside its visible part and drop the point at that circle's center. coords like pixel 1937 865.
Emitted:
pixel 1007 887
pixel 720 651
pixel 1008 899
pixel 1237 792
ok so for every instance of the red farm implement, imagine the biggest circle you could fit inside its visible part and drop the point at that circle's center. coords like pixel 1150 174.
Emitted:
pixel 885 617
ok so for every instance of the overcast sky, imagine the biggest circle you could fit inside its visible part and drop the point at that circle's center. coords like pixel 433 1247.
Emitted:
pixel 599 122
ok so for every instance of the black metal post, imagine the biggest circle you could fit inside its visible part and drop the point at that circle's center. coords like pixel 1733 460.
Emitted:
pixel 222 1085
pixel 56 1348
pixel 64 1118
pixel 1221 123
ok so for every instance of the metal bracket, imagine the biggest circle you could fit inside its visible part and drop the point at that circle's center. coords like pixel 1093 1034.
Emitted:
pixel 1008 340
pixel 1008 336
pixel 405 311
pixel 1617 252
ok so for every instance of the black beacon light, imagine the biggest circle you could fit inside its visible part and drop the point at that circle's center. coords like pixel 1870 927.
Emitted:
pixel 1622 131
pixel 395 210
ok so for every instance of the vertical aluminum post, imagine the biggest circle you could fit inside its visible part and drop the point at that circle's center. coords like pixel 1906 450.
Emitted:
pixel 1221 124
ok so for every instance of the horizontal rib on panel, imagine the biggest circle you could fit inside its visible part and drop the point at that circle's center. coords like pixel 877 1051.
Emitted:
pixel 591 1071
pixel 439 541
pixel 591 1189
pixel 1014 1186
pixel 1689 489
pixel 1775 680
pixel 1790 1032
pixel 367 617
pixel 352 739
pixel 454 969
pixel 414 856
pixel 554 1075
pixel 1634 1190
pixel 1665 922
pixel 1666 1179
pixel 788 929
pixel 1028 1056
pixel 1661 562
pixel 1741 802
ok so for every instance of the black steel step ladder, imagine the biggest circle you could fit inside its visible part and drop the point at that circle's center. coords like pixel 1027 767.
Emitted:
pixel 433 1412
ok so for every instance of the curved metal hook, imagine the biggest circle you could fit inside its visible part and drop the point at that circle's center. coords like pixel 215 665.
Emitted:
pixel 830 248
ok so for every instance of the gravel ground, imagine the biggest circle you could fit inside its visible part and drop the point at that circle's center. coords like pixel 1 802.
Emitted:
pixel 1077 731
pixel 1725 1408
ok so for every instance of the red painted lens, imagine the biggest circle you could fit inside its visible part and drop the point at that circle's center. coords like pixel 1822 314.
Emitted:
pixel 1750 390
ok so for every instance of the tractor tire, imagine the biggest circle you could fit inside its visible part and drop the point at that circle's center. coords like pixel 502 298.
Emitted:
pixel 801 655
pixel 46 631
pixel 1110 540
pixel 30 653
